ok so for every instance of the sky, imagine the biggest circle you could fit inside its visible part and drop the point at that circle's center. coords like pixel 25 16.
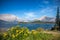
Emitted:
pixel 29 9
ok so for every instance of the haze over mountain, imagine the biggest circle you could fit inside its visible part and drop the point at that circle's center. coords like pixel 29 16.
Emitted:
pixel 46 19
pixel 12 18
pixel 9 20
pixel 9 17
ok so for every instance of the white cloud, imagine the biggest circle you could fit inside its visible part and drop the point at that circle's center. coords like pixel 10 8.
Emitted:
pixel 46 2
pixel 47 11
pixel 8 17
pixel 29 16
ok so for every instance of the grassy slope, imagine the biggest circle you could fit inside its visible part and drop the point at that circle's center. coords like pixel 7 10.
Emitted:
pixel 56 34
pixel 41 35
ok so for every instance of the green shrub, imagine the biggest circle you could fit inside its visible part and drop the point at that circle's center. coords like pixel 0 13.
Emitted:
pixel 18 33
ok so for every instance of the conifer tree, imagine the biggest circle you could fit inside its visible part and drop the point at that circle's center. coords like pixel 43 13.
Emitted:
pixel 57 17
pixel 57 21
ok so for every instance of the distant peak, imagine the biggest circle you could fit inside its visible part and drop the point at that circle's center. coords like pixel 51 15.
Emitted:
pixel 47 19
pixel 8 17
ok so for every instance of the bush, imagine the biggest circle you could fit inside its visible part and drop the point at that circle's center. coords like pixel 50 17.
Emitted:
pixel 1 37
pixel 18 33
pixel 40 29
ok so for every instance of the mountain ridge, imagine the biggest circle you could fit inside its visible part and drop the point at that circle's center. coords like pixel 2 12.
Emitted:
pixel 13 18
pixel 47 19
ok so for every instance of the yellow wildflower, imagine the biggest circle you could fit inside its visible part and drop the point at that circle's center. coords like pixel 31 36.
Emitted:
pixel 21 30
pixel 34 32
pixel 25 34
pixel 13 35
pixel 12 28
pixel 5 34
pixel 17 35
pixel 29 32
pixel 17 31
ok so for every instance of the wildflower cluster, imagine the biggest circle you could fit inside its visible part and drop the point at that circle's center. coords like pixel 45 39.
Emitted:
pixel 18 33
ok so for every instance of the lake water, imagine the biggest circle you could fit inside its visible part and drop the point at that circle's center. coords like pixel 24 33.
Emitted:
pixel 30 26
pixel 35 26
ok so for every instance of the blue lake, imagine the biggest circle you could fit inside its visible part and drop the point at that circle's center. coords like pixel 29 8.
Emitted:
pixel 35 26
pixel 29 25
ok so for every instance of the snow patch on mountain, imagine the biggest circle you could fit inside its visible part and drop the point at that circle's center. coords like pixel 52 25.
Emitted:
pixel 9 17
pixel 12 18
pixel 47 19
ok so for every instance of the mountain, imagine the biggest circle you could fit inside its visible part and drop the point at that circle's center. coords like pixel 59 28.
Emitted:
pixel 9 17
pixel 8 20
pixel 6 24
pixel 13 18
pixel 46 19
pixel 36 21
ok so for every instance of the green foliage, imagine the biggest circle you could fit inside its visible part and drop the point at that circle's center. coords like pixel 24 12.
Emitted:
pixel 40 29
pixel 18 33
pixel 1 37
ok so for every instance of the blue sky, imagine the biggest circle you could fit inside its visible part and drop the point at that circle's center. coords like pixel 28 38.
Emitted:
pixel 29 9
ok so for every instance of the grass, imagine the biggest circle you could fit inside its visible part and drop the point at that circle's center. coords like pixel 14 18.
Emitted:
pixel 18 33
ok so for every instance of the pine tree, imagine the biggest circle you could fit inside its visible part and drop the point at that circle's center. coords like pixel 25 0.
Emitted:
pixel 57 17
pixel 57 21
